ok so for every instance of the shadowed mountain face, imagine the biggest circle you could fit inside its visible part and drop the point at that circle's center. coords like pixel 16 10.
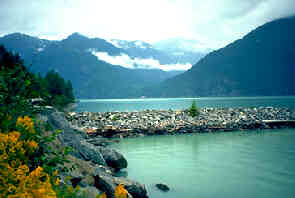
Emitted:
pixel 261 63
pixel 73 59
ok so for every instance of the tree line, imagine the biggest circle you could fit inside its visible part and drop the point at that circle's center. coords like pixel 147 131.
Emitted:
pixel 18 85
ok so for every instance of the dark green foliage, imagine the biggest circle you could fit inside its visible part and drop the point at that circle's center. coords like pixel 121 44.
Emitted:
pixel 18 85
pixel 60 91
pixel 15 87
pixel 193 111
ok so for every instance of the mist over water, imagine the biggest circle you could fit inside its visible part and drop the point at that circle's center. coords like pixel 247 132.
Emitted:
pixel 237 164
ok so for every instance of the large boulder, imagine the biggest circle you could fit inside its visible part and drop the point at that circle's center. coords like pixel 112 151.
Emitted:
pixel 88 152
pixel 113 158
pixel 72 138
pixel 105 184
pixel 83 172
pixel 57 120
pixel 78 141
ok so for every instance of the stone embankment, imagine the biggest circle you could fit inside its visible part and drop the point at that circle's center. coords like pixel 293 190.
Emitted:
pixel 153 122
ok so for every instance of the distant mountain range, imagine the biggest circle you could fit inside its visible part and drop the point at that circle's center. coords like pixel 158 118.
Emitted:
pixel 261 63
pixel 183 50
pixel 96 67
pixel 166 52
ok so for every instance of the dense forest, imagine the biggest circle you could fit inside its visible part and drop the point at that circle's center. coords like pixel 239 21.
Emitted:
pixel 18 85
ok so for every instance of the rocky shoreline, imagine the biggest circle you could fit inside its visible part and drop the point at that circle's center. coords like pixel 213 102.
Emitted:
pixel 155 122
pixel 92 166
pixel 88 134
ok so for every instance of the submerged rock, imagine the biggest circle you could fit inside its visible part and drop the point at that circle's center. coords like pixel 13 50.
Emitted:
pixel 163 187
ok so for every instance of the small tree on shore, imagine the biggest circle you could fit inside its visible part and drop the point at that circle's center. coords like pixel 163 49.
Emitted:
pixel 193 110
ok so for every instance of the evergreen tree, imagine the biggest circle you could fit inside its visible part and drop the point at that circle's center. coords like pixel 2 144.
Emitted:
pixel 193 110
pixel 18 85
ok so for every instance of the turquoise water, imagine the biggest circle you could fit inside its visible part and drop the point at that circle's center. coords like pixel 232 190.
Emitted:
pixel 239 164
pixel 105 105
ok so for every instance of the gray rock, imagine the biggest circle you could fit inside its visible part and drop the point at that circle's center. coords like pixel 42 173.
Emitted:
pixel 57 120
pixel 89 192
pixel 105 184
pixel 113 158
pixel 99 141
pixel 88 152
pixel 108 184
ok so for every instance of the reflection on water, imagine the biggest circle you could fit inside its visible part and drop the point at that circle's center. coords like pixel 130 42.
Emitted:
pixel 239 164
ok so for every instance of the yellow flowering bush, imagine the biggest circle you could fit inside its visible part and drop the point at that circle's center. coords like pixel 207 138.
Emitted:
pixel 21 183
pixel 120 192
pixel 27 123
pixel 22 177
pixel 16 178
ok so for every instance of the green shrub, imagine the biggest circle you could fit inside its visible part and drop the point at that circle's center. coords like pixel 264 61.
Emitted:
pixel 193 110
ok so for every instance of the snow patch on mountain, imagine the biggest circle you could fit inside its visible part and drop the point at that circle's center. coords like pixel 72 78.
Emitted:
pixel 115 43
pixel 129 44
pixel 140 44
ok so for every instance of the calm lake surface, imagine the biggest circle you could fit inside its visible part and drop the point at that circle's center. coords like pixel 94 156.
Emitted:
pixel 107 105
pixel 238 164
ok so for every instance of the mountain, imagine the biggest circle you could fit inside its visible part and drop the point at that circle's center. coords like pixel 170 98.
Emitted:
pixel 143 50
pixel 261 63
pixel 26 46
pixel 166 52
pixel 75 59
pixel 183 50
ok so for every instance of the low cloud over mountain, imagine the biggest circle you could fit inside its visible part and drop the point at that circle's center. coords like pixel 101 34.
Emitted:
pixel 138 63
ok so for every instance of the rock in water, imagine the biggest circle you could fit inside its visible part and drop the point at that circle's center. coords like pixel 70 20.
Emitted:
pixel 162 187
pixel 113 158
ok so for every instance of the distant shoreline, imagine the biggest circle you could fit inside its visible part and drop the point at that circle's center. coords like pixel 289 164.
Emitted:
pixel 158 122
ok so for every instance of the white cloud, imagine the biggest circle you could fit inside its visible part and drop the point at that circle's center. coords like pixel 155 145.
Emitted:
pixel 137 63
pixel 213 22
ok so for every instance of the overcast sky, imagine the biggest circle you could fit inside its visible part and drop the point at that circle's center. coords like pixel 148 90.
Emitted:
pixel 212 22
